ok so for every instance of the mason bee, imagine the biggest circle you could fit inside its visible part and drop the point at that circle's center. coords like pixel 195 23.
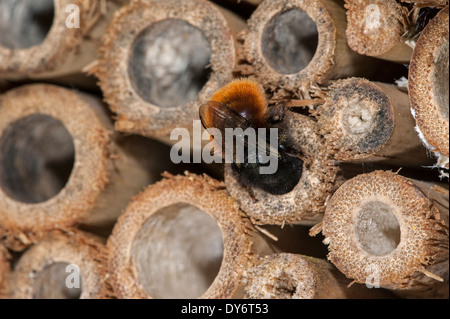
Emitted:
pixel 242 104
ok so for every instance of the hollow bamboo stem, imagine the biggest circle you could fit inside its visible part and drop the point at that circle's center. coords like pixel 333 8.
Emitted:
pixel 376 28
pixel 183 237
pixel 60 164
pixel 63 265
pixel 428 87
pixel 382 229
pixel 292 45
pixel 293 276
pixel 370 121
pixel 304 204
pixel 51 38
pixel 160 60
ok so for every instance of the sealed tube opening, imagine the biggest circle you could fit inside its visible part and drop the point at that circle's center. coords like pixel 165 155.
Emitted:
pixel 178 252
pixel 358 118
pixel 366 117
pixel 377 228
pixel 169 63
pixel 441 79
pixel 25 23
pixel 58 280
pixel 36 158
pixel 289 41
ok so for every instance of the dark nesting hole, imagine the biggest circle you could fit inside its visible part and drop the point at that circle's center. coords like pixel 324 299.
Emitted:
pixel 36 158
pixel 290 41
pixel 169 63
pixel 25 23
pixel 178 252
pixel 57 281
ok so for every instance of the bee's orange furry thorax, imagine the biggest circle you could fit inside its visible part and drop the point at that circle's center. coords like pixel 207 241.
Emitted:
pixel 245 97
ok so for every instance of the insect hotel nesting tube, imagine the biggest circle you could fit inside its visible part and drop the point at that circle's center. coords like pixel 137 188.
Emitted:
pixel 63 265
pixel 183 237
pixel 294 276
pixel 386 230
pixel 161 59
pixel 370 121
pixel 428 87
pixel 50 38
pixel 304 203
pixel 292 44
pixel 377 28
pixel 60 164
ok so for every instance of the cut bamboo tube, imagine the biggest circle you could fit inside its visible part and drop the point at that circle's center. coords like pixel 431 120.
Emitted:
pixel 304 204
pixel 376 28
pixel 183 237
pixel 64 265
pixel 370 121
pixel 51 38
pixel 291 45
pixel 4 269
pixel 293 276
pixel 428 87
pixel 382 229
pixel 161 59
pixel 60 164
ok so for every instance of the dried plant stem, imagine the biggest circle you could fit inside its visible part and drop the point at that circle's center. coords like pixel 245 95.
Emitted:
pixel 60 164
pixel 42 39
pixel 291 45
pixel 292 276
pixel 428 87
pixel 183 237
pixel 304 204
pixel 376 28
pixel 382 229
pixel 370 121
pixel 64 265
pixel 161 59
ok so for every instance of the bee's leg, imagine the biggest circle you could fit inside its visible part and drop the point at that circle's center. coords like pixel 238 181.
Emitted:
pixel 250 193
pixel 301 156
pixel 277 112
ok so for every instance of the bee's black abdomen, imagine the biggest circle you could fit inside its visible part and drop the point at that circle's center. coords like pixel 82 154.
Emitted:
pixel 281 182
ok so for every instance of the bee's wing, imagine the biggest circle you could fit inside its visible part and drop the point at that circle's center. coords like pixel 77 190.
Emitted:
pixel 220 116
pixel 215 115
